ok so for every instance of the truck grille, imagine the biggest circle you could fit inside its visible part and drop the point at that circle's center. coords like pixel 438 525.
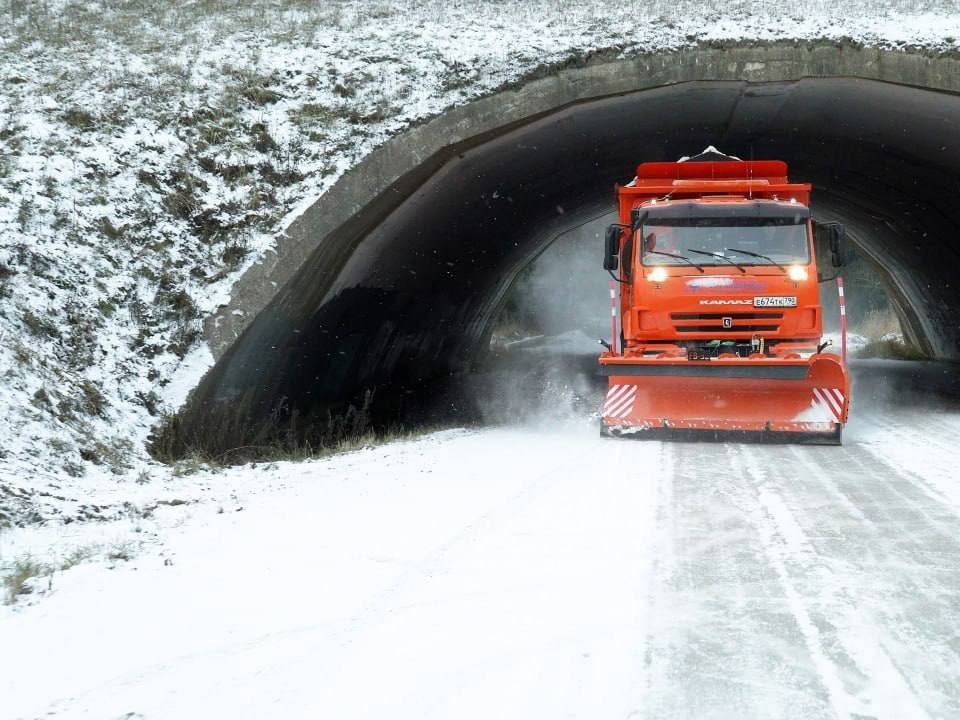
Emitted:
pixel 749 322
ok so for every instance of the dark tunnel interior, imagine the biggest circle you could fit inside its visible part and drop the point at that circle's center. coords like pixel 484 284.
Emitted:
pixel 405 311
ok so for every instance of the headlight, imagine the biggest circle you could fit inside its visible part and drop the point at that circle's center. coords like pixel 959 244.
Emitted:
pixel 658 274
pixel 797 273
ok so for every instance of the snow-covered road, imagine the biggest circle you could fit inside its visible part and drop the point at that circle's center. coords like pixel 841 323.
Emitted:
pixel 532 573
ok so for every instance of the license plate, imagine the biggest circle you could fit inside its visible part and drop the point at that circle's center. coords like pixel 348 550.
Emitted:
pixel 775 301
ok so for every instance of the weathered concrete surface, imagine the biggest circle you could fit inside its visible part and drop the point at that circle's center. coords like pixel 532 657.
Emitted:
pixel 390 281
pixel 357 202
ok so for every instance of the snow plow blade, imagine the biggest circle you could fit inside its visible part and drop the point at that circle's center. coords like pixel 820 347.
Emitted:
pixel 775 399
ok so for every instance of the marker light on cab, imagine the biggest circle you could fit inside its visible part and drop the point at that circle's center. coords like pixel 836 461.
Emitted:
pixel 658 274
pixel 797 273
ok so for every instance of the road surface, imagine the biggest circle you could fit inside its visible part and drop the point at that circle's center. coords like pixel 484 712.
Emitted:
pixel 533 573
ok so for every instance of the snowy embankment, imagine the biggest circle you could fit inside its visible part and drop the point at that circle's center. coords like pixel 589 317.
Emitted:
pixel 152 152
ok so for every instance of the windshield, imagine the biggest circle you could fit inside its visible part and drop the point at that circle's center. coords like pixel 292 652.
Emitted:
pixel 781 242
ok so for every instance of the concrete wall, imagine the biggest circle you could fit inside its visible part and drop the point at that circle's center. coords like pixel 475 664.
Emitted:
pixel 360 199
pixel 389 282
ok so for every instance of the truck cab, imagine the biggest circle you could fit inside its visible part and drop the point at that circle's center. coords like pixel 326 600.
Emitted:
pixel 722 275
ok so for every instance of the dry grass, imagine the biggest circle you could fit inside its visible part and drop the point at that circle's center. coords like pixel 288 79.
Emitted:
pixel 16 581
pixel 879 324
pixel 884 336
pixel 892 349
pixel 282 448
pixel 19 577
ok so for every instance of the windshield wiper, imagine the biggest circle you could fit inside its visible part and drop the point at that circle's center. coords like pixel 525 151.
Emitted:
pixel 679 257
pixel 718 255
pixel 757 255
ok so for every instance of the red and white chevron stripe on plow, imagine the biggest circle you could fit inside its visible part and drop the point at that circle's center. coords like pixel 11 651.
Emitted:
pixel 831 398
pixel 619 401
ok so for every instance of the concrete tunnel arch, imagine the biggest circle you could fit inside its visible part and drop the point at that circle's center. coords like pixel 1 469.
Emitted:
pixel 390 281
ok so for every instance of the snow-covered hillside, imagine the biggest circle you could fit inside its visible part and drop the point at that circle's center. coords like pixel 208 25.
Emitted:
pixel 150 152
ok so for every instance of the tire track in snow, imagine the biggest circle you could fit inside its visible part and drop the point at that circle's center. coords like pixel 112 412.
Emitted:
pixel 724 640
pixel 921 443
pixel 662 566
pixel 913 595
pixel 896 487
pixel 865 678
pixel 782 538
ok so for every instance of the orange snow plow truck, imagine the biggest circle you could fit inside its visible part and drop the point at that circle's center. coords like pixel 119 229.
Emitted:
pixel 719 308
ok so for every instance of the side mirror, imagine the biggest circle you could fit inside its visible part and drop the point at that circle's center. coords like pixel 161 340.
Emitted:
pixel 838 245
pixel 611 248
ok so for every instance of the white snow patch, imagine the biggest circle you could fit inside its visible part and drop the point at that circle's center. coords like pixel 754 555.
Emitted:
pixel 185 377
pixel 455 574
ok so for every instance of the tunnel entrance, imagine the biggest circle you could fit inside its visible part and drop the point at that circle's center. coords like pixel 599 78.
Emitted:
pixel 541 366
pixel 395 307
pixel 562 293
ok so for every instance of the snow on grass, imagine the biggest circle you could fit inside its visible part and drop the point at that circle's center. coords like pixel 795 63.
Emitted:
pixel 130 518
pixel 150 152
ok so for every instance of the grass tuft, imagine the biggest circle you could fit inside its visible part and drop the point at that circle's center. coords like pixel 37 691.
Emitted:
pixel 40 327
pixel 123 550
pixel 80 119
pixel 879 324
pixel 17 580
pixel 892 349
